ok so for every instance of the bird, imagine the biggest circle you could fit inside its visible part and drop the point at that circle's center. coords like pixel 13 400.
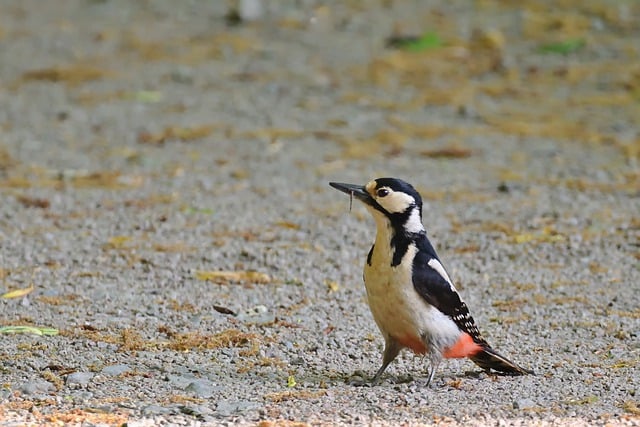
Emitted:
pixel 411 296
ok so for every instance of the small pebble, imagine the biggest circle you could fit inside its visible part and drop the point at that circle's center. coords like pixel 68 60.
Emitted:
pixel 250 10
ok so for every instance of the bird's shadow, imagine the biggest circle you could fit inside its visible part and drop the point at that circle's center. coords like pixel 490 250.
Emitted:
pixel 363 379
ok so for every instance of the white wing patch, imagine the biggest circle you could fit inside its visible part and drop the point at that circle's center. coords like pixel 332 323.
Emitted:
pixel 435 264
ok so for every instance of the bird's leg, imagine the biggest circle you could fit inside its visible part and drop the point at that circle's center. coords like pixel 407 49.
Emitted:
pixel 435 361
pixel 391 350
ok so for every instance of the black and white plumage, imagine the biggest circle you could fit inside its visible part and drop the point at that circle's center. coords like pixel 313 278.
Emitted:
pixel 411 296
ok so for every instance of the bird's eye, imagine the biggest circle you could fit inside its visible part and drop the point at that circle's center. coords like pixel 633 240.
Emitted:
pixel 382 192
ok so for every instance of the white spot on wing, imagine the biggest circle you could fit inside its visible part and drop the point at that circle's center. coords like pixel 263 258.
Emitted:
pixel 435 264
pixel 414 222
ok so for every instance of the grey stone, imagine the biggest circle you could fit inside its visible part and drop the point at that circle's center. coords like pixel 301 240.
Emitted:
pixel 229 407
pixel 524 404
pixel 115 370
pixel 258 315
pixel 196 410
pixel 201 388
pixel 180 381
pixel 80 378
pixel 36 387
pixel 250 10
pixel 153 410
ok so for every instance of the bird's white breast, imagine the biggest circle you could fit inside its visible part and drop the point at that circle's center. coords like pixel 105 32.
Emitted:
pixel 399 311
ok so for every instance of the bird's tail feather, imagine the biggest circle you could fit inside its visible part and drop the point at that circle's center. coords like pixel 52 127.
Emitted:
pixel 488 358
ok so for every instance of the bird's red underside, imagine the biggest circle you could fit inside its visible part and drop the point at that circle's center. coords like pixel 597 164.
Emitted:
pixel 464 347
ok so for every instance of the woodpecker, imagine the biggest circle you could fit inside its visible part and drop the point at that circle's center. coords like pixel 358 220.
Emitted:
pixel 412 298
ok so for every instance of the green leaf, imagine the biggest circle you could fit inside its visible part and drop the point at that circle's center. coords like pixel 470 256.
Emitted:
pixel 195 210
pixel 147 96
pixel 28 330
pixel 430 40
pixel 291 381
pixel 566 47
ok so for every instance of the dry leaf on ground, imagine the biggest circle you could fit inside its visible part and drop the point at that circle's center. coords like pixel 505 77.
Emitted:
pixel 224 277
pixel 176 133
pixel 18 293
pixel 447 153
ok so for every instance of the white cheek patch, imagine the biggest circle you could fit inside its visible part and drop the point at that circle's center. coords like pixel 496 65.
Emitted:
pixel 414 222
pixel 435 264
pixel 396 202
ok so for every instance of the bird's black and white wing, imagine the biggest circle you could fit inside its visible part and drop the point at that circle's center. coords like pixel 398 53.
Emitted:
pixel 432 283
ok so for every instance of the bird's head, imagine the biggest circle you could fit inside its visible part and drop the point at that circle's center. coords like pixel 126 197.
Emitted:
pixel 391 201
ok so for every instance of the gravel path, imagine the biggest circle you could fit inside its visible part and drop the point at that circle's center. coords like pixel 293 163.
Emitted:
pixel 146 146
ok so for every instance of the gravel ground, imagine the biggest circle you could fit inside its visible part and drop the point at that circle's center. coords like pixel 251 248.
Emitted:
pixel 146 146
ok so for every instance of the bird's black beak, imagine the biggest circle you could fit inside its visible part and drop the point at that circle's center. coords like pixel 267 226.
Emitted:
pixel 357 191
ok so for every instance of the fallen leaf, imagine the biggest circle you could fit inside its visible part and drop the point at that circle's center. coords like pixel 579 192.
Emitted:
pixel 176 133
pixel 6 161
pixel 564 48
pixel 28 330
pixel 152 200
pixel 79 416
pixel 194 210
pixel 223 310
pixel 33 202
pixel 224 277
pixel 430 40
pixel 197 340
pixel 447 153
pixel 102 179
pixel 291 381
pixel 596 268
pixel 282 396
pixel 172 247
pixel 118 242
pixel 72 75
pixel 86 274
pixel 273 134
pixel 240 174
pixel 333 286
pixel 524 238
pixel 631 407
pixel 490 40
pixel 286 224
pixel 18 293
pixel 457 383
pixel 69 299
pixel 147 96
